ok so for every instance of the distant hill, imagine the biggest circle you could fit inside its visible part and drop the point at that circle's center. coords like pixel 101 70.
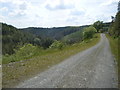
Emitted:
pixel 53 33
pixel 73 37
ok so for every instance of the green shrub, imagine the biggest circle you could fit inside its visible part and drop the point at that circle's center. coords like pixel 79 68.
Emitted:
pixel 25 52
pixel 89 32
pixel 57 45
pixel 98 25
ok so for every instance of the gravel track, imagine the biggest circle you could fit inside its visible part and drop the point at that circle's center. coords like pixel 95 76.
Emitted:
pixel 92 68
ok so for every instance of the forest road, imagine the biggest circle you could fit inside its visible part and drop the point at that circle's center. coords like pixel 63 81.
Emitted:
pixel 92 68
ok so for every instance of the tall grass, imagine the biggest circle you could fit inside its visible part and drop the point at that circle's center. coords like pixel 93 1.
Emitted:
pixel 115 50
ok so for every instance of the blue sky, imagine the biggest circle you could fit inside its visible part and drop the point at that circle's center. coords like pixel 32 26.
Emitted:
pixel 56 13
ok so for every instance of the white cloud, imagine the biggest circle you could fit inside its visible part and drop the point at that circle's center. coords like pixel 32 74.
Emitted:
pixel 17 13
pixel 77 12
pixel 3 9
pixel 4 0
pixel 54 13
pixel 2 18
pixel 60 6
pixel 106 3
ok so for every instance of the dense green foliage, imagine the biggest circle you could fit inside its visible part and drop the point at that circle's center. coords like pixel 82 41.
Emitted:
pixel 46 42
pixel 98 25
pixel 78 36
pixel 57 45
pixel 21 44
pixel 25 52
pixel 105 27
pixel 12 38
pixel 73 38
pixel 89 32
pixel 114 29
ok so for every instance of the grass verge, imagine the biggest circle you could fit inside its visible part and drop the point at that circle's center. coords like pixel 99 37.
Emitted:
pixel 114 48
pixel 17 72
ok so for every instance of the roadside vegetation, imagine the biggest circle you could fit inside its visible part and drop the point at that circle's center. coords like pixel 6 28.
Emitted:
pixel 31 59
pixel 114 44
pixel 14 38
pixel 114 37
pixel 29 50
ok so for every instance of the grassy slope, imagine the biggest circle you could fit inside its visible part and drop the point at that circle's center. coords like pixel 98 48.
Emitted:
pixel 114 48
pixel 77 34
pixel 16 72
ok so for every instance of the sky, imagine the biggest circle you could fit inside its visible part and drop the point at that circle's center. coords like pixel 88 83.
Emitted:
pixel 56 13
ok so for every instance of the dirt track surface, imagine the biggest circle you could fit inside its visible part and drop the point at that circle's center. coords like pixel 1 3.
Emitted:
pixel 92 68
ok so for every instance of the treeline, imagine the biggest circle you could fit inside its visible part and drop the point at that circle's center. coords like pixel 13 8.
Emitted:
pixel 114 29
pixel 19 45
pixel 13 39
pixel 101 27
pixel 24 44
pixel 56 33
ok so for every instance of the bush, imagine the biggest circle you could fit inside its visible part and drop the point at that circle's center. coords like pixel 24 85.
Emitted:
pixel 89 32
pixel 46 43
pixel 25 52
pixel 98 25
pixel 57 45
